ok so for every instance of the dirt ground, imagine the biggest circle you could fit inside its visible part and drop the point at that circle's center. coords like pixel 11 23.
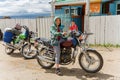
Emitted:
pixel 15 67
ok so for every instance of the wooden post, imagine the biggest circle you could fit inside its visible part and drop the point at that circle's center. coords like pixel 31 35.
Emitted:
pixel 87 15
pixel 53 8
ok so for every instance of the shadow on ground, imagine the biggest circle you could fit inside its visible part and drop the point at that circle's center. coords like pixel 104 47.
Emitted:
pixel 80 74
pixel 16 54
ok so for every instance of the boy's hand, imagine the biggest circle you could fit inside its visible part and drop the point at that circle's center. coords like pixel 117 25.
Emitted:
pixel 64 33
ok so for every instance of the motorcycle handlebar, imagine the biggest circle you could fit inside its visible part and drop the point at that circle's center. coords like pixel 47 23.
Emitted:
pixel 88 33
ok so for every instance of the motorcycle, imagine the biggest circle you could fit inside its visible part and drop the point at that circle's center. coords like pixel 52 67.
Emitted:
pixel 89 59
pixel 23 43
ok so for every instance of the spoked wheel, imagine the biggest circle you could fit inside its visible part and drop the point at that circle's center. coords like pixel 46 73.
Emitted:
pixel 9 50
pixel 42 63
pixel 92 62
pixel 29 51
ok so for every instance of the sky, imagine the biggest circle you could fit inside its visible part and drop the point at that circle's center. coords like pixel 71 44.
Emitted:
pixel 24 7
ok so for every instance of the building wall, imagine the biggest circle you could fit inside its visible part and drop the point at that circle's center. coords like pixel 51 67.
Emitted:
pixel 105 0
pixel 106 30
pixel 113 7
pixel 67 18
pixel 97 5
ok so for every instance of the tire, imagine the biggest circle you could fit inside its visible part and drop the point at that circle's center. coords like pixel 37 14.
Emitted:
pixel 8 50
pixel 0 37
pixel 95 53
pixel 28 47
pixel 42 64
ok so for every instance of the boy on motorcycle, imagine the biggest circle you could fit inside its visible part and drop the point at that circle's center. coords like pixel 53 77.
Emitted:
pixel 56 31
pixel 73 26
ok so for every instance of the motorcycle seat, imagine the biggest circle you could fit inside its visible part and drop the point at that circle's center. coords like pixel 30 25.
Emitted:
pixel 45 41
pixel 66 44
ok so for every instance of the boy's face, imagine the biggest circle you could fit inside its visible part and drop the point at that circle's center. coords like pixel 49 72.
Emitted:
pixel 58 21
pixel 73 23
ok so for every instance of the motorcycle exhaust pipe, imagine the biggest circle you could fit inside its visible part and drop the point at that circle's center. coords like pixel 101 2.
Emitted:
pixel 9 46
pixel 44 59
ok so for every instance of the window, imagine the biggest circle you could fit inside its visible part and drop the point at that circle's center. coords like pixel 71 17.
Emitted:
pixel 105 8
pixel 118 9
pixel 67 11
pixel 74 12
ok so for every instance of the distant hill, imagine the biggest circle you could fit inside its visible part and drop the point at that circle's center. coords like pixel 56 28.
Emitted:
pixel 27 16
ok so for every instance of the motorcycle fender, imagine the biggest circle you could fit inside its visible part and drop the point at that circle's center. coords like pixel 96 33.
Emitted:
pixel 90 49
pixel 25 45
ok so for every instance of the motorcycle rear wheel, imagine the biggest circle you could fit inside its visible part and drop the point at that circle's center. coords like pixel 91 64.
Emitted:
pixel 43 63
pixel 8 50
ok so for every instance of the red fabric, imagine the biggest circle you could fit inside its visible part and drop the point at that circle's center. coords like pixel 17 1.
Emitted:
pixel 59 36
pixel 74 27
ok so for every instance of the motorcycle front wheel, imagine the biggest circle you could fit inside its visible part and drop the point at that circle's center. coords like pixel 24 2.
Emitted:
pixel 29 51
pixel 91 61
